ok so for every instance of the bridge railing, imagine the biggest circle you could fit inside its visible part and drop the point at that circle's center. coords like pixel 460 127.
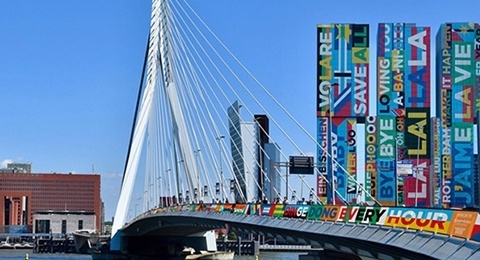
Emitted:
pixel 453 222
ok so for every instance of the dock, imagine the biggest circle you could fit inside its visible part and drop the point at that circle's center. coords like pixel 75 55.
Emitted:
pixel 54 245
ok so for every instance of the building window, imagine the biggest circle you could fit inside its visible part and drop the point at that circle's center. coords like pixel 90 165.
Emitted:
pixel 42 226
pixel 64 226
pixel 80 224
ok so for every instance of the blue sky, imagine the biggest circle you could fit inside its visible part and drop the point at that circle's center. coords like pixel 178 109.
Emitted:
pixel 70 70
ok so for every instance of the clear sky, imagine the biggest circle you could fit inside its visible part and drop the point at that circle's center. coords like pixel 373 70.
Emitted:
pixel 70 70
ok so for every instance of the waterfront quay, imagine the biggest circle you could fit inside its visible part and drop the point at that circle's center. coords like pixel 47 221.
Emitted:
pixel 38 243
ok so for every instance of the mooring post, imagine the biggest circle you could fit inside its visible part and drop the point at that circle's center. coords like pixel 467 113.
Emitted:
pixel 225 243
pixel 51 241
pixel 239 245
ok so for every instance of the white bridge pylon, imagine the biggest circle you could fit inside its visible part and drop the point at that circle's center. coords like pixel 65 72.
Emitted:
pixel 159 80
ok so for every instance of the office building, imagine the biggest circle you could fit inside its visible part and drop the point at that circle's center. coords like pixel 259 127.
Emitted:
pixel 25 194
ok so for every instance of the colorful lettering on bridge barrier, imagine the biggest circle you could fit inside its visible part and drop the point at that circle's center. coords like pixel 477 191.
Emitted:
pixel 266 210
pixel 352 214
pixel 420 219
pixel 228 207
pixel 459 223
pixel 363 215
pixel 214 208
pixel 325 213
pixel 295 211
pixel 254 209
pixel 277 210
pixel 240 209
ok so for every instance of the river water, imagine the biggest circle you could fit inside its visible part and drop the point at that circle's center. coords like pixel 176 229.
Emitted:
pixel 8 254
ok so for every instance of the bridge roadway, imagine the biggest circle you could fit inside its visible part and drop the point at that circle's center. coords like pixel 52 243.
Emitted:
pixel 374 241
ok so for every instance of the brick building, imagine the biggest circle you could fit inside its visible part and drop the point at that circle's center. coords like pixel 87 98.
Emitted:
pixel 24 194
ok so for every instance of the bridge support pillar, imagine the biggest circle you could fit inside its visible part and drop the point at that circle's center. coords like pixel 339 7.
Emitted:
pixel 122 244
pixel 239 245
pixel 115 242
pixel 204 241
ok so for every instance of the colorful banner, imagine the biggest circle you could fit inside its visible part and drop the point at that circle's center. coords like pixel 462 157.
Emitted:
pixel 400 155
pixel 254 209
pixel 322 188
pixel 444 71
pixel 371 136
pixel 384 68
pixel 386 138
pixel 323 158
pixel 417 135
pixel 463 106
pixel 417 188
pixel 386 165
pixel 295 211
pixel 363 215
pixel 437 221
pixel 463 223
pixel 344 153
pixel 398 71
pixel 325 37
pixel 477 67
pixel 228 207
pixel 463 32
pixel 391 69
pixel 342 70
pixel 462 162
pixel 350 58
pixel 214 208
pixel 447 179
pixel 240 209
pixel 446 107
pixel 324 213
pixel 401 149
pixel 267 210
pixel 436 161
pixel 360 58
pixel 417 50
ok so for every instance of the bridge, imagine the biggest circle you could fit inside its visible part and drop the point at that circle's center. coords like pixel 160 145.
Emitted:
pixel 375 232
pixel 182 173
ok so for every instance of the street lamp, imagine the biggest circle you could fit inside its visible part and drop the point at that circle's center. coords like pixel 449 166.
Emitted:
pixel 149 195
pixel 286 182
pixel 169 190
pixel 287 167
pixel 178 179
pixel 232 185
pixel 198 168
pixel 145 197
pixel 312 193
pixel 219 138
pixel 136 204
pixel 159 192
